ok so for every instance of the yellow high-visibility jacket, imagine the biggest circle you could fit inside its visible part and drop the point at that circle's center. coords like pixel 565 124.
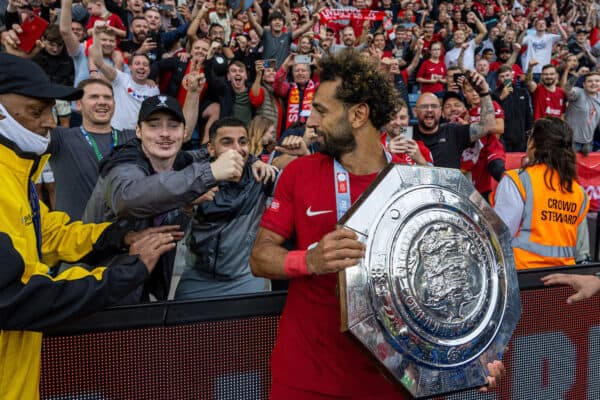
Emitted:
pixel 548 232
pixel 31 299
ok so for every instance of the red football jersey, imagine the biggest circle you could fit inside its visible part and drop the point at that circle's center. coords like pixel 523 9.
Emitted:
pixel 547 103
pixel 405 158
pixel 429 70
pixel 311 354
pixel 477 157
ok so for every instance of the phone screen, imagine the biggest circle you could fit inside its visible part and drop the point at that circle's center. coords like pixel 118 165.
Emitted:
pixel 270 63
pixel 33 28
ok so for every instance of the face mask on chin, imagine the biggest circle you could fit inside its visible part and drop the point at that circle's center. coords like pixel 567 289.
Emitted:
pixel 26 140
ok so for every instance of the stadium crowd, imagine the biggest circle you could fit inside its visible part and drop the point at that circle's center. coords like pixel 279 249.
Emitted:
pixel 182 113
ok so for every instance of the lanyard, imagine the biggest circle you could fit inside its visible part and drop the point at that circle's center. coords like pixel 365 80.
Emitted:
pixel 34 203
pixel 94 145
pixel 341 180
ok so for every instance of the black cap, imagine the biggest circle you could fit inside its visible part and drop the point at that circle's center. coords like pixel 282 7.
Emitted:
pixel 452 95
pixel 21 76
pixel 160 103
pixel 582 31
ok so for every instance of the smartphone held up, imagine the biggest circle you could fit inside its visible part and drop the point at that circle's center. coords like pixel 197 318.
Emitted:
pixel 33 27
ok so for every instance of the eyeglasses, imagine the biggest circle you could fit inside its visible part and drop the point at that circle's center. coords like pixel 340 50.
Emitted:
pixel 424 107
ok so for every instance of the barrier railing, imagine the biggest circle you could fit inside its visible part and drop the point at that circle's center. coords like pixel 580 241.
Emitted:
pixel 220 349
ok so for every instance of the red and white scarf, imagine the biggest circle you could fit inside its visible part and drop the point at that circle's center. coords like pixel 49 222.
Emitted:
pixel 295 113
pixel 335 14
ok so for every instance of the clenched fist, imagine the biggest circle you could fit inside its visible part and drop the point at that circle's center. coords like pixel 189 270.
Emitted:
pixel 229 166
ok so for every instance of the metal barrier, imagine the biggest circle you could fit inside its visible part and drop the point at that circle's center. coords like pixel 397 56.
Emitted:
pixel 220 349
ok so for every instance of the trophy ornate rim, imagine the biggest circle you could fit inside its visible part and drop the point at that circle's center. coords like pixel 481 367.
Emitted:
pixel 436 296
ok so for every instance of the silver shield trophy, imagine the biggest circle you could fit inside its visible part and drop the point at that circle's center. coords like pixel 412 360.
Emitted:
pixel 436 297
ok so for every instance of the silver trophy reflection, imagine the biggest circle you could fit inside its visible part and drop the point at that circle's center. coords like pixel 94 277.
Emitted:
pixel 436 297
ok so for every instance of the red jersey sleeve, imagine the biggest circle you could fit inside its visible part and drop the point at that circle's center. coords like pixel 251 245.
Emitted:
pixel 116 22
pixel 279 216
pixel 256 101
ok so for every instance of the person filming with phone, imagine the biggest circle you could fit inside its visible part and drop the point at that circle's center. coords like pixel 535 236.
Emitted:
pixel 397 139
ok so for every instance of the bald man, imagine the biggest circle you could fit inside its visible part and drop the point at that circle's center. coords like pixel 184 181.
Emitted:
pixel 447 141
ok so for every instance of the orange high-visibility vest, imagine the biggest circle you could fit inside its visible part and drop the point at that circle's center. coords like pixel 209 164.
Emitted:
pixel 548 233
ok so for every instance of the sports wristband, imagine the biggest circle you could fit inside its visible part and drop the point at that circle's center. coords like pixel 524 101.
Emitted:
pixel 93 70
pixel 484 94
pixel 295 264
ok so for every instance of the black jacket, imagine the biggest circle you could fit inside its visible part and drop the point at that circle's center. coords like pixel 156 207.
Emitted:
pixel 518 120
pixel 59 68
pixel 129 188
pixel 223 230
pixel 177 70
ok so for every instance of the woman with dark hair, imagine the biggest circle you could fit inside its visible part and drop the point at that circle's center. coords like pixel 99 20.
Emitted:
pixel 542 204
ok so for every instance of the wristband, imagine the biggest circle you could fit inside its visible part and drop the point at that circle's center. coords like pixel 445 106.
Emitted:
pixel 93 70
pixel 484 94
pixel 295 264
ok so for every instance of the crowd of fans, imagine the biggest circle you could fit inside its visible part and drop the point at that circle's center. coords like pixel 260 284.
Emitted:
pixel 236 66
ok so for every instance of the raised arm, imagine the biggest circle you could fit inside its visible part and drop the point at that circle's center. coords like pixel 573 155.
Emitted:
pixel 556 18
pixel 564 80
pixel 66 18
pixel 487 123
pixel 416 59
pixel 253 22
pixel 196 83
pixel 192 31
pixel 531 85
pixel 109 72
pixel 255 89
pixel 481 29
pixel 302 29
pixel 516 49
pixel 461 56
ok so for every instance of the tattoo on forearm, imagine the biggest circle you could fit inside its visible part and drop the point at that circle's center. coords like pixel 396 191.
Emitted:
pixel 478 130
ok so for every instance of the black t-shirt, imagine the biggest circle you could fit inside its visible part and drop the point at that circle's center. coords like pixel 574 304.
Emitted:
pixel 447 144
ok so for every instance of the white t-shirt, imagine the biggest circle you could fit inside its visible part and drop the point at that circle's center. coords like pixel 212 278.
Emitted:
pixel 451 58
pixel 128 100
pixel 539 48
pixel 509 204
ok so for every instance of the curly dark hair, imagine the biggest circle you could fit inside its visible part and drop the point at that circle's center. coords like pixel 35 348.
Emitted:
pixel 361 82
pixel 553 141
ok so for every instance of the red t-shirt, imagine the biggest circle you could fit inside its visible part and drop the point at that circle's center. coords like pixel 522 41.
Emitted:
pixel 547 103
pixel 436 37
pixel 405 158
pixel 429 70
pixel 477 157
pixel 311 354
pixel 112 20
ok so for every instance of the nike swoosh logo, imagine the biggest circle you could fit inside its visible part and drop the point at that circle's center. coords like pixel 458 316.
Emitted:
pixel 310 213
